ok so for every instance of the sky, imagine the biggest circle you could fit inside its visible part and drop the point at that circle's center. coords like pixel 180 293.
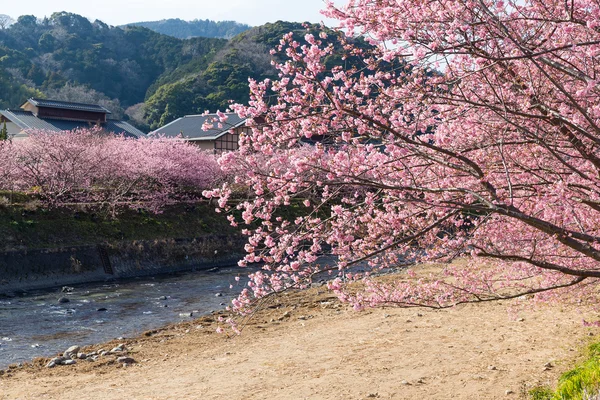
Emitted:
pixel 119 12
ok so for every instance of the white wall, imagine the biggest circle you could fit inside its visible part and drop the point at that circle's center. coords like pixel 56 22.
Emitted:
pixel 12 128
pixel 204 144
pixel 14 132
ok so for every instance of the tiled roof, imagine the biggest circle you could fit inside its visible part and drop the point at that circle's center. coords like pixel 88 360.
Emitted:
pixel 68 105
pixel 122 127
pixel 26 120
pixel 190 127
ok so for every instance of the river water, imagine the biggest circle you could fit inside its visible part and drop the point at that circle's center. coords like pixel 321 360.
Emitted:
pixel 36 324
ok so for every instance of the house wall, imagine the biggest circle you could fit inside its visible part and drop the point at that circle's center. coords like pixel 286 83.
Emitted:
pixel 30 107
pixel 12 128
pixel 204 144
pixel 227 142
pixel 72 115
pixel 230 141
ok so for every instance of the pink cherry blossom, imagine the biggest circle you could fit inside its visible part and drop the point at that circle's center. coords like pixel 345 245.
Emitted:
pixel 471 128
pixel 106 171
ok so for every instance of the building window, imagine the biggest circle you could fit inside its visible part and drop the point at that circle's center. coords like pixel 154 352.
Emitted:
pixel 227 142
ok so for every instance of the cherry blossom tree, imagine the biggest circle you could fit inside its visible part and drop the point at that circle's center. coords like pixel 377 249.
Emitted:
pixel 104 171
pixel 473 128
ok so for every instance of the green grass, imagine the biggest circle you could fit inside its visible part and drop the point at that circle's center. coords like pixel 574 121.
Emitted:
pixel 23 226
pixel 580 383
pixel 541 393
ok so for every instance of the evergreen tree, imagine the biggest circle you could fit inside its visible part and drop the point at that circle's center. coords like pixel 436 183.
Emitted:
pixel 4 132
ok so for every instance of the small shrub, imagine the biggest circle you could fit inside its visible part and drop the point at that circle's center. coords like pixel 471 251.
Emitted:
pixel 541 393
pixel 32 205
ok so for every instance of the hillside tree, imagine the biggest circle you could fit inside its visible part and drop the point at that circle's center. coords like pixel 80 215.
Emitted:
pixel 5 21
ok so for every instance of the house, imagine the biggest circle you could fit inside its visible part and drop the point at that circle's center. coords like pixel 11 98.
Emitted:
pixel 217 138
pixel 54 115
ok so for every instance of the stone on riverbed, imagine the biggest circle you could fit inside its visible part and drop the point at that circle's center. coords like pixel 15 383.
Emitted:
pixel 63 300
pixel 56 361
pixel 73 350
pixel 119 349
pixel 125 360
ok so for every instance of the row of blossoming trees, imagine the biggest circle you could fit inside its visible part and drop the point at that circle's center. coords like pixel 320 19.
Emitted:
pixel 473 127
pixel 104 171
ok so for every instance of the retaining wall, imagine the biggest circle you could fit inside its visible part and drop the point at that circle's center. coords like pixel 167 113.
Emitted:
pixel 32 269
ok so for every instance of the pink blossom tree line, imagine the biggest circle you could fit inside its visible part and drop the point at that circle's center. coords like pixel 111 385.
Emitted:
pixel 105 171
pixel 472 128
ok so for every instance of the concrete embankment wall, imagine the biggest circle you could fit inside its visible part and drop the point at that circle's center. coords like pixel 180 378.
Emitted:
pixel 31 269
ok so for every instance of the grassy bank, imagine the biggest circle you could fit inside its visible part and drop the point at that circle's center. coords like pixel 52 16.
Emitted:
pixel 25 224
pixel 580 383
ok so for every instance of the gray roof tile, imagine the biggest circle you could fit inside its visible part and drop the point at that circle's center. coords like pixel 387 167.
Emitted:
pixel 26 120
pixel 190 127
pixel 68 105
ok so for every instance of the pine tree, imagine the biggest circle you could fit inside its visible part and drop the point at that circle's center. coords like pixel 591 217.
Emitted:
pixel 4 132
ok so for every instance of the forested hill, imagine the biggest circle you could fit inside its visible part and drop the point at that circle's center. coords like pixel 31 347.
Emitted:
pixel 121 64
pixel 137 73
pixel 192 89
pixel 199 27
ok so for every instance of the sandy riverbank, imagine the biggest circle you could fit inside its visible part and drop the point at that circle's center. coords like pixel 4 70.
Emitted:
pixel 308 346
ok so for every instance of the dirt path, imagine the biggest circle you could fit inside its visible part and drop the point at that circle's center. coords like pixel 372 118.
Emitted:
pixel 323 350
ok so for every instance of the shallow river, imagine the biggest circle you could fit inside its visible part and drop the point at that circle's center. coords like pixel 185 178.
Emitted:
pixel 36 324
